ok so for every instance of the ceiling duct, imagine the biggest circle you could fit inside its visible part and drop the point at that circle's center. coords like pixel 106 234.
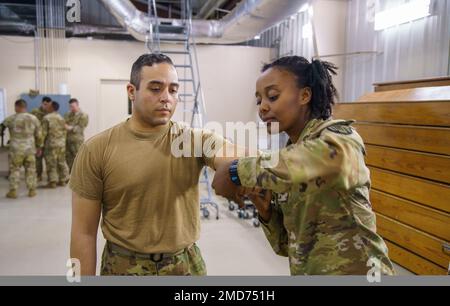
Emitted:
pixel 248 19
pixel 17 26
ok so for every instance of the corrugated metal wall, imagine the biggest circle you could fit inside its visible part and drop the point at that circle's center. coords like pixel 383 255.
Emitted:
pixel 286 37
pixel 413 50
pixel 418 49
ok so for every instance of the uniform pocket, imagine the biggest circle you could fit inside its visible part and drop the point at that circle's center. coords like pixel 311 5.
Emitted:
pixel 196 263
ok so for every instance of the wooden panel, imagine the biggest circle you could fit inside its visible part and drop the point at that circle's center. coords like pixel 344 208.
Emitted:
pixel 414 113
pixel 412 262
pixel 422 191
pixel 425 165
pixel 429 220
pixel 414 240
pixel 437 81
pixel 411 94
pixel 426 139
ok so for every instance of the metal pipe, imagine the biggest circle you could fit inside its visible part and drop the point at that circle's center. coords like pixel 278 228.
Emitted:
pixel 21 27
pixel 36 60
pixel 156 25
pixel 208 8
pixel 75 30
pixel 248 18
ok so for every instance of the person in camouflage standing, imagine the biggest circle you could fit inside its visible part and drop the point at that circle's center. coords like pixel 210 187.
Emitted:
pixel 76 122
pixel 25 136
pixel 314 202
pixel 40 112
pixel 54 133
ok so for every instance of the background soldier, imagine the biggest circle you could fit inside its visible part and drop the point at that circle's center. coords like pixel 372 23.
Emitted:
pixel 25 135
pixel 76 122
pixel 54 132
pixel 40 113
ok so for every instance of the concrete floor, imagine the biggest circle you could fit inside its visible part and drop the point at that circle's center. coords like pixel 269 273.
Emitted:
pixel 35 235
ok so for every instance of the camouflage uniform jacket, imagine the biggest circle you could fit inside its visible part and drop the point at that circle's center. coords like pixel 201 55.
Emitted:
pixel 25 132
pixel 39 113
pixel 79 121
pixel 54 131
pixel 321 214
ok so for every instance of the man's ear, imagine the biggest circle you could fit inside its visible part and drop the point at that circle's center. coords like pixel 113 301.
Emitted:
pixel 131 90
pixel 305 95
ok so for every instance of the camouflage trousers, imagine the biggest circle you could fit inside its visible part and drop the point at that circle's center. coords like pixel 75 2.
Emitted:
pixel 16 161
pixel 55 161
pixel 186 262
pixel 72 147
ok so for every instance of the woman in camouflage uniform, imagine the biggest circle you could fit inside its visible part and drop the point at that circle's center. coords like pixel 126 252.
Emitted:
pixel 316 207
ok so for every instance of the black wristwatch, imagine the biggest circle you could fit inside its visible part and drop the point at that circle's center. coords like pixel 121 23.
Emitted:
pixel 234 172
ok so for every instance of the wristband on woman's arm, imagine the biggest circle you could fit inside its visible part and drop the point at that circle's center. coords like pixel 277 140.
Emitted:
pixel 233 170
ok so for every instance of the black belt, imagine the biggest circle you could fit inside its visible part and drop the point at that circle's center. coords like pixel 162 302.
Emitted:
pixel 155 257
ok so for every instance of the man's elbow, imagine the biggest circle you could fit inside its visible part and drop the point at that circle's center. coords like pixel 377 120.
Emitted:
pixel 80 241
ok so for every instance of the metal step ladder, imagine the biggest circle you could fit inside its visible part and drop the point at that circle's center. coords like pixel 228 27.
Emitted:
pixel 191 95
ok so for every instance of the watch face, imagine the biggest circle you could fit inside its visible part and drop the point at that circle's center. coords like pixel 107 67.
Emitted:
pixel 234 173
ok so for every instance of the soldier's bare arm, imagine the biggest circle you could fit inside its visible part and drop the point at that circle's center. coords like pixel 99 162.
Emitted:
pixel 222 162
pixel 228 153
pixel 83 245
pixel 222 182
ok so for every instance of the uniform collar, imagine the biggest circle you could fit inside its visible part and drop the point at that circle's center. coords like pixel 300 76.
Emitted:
pixel 148 135
pixel 310 127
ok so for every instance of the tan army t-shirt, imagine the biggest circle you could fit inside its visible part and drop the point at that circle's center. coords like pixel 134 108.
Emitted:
pixel 150 198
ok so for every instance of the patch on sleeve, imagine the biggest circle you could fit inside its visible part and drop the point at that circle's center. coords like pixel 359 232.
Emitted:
pixel 340 129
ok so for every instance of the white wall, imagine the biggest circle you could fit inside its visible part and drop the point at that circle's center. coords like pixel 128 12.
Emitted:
pixel 228 75
pixel 14 52
pixel 92 62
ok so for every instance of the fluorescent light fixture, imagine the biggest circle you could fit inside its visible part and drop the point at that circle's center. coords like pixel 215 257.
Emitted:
pixel 257 37
pixel 407 12
pixel 307 31
pixel 304 8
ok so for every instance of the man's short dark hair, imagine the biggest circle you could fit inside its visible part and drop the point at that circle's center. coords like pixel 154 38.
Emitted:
pixel 46 99
pixel 55 106
pixel 146 60
pixel 20 103
pixel 73 100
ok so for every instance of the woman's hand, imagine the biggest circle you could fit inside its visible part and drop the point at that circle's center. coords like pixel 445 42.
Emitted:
pixel 261 199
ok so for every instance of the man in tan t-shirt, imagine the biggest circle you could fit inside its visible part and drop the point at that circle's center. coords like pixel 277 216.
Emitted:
pixel 148 197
